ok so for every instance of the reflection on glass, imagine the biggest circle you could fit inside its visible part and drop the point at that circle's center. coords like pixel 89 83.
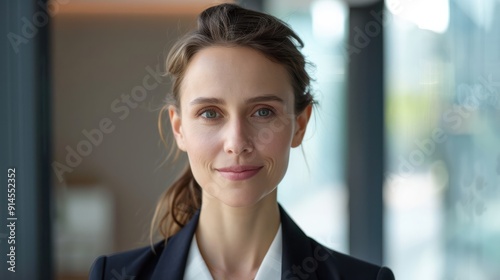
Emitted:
pixel 442 190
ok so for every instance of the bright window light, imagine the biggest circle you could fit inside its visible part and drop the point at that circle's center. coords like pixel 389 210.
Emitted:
pixel 433 15
pixel 328 19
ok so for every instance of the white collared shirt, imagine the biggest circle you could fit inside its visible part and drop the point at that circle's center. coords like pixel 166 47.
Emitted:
pixel 270 268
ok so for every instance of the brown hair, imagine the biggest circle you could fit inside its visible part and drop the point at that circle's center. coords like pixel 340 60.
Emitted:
pixel 225 25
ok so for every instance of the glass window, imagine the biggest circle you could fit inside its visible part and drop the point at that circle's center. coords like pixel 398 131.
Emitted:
pixel 442 190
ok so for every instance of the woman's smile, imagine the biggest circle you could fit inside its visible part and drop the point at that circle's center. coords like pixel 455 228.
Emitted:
pixel 239 172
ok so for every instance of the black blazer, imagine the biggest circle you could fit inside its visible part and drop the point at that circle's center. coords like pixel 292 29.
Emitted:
pixel 303 258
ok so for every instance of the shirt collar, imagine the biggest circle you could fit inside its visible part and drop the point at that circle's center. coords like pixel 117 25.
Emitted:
pixel 270 268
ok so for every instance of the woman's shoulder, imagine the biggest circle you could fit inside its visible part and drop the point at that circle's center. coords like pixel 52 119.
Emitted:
pixel 128 264
pixel 331 262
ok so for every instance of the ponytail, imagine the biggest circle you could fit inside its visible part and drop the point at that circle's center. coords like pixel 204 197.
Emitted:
pixel 177 205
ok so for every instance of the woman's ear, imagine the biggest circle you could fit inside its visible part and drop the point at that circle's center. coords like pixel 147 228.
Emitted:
pixel 300 126
pixel 176 123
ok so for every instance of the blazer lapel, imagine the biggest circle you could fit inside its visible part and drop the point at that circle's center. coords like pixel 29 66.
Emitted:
pixel 172 262
pixel 297 257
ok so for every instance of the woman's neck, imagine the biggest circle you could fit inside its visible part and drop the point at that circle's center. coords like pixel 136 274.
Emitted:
pixel 234 240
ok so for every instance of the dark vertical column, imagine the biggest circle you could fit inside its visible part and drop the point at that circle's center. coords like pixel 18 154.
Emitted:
pixel 25 141
pixel 365 156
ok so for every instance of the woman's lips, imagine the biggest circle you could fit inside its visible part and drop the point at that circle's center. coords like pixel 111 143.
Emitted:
pixel 240 172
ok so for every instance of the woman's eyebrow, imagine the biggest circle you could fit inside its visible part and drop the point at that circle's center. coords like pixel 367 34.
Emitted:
pixel 207 100
pixel 264 98
pixel 218 101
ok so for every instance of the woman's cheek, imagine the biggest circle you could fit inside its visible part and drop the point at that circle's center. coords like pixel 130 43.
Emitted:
pixel 206 139
pixel 264 134
pixel 200 138
pixel 274 144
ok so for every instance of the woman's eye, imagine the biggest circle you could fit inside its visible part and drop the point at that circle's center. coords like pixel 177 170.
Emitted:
pixel 212 114
pixel 264 112
pixel 209 114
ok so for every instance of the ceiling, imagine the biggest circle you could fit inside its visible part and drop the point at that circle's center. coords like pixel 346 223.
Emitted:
pixel 64 7
pixel 146 7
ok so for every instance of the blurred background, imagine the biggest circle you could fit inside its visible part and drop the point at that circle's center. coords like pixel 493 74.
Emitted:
pixel 402 157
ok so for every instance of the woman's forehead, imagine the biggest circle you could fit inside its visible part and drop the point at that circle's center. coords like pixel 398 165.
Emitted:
pixel 234 72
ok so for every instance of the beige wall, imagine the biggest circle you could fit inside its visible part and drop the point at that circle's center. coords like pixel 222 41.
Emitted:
pixel 96 60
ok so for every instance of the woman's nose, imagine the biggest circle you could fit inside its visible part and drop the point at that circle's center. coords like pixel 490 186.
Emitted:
pixel 238 139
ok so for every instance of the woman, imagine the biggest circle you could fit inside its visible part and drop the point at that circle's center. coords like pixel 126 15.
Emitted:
pixel 240 101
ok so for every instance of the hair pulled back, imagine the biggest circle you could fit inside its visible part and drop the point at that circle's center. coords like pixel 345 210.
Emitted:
pixel 225 25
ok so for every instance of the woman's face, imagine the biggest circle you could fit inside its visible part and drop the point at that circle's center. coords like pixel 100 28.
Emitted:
pixel 236 123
